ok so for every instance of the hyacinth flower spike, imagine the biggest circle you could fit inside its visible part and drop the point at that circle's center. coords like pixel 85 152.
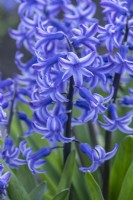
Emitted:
pixel 97 155
pixel 4 179
pixel 116 122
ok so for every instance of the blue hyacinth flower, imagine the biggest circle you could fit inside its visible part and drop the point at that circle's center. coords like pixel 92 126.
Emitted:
pixel 28 8
pixel 85 36
pixel 81 14
pixel 4 179
pixel 120 62
pixel 77 67
pixel 97 155
pixel 112 35
pixel 10 154
pixel 35 160
pixel 114 9
pixel 22 116
pixel 116 122
pixel 91 105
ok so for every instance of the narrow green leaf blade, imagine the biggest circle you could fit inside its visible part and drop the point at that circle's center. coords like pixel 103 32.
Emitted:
pixel 93 187
pixel 66 178
pixel 123 159
pixel 61 195
pixel 38 192
pixel 80 185
pixel 127 186
pixel 25 176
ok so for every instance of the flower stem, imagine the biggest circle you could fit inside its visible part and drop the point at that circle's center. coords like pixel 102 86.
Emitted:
pixel 69 106
pixel 68 131
pixel 108 136
pixel 93 133
pixel 11 113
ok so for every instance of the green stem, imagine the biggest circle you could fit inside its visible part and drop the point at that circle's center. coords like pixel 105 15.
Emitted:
pixel 108 136
pixel 68 131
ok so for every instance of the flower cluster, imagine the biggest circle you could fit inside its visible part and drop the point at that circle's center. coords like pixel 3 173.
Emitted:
pixel 66 70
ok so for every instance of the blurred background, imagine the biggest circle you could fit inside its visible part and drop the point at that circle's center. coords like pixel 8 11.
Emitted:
pixel 8 18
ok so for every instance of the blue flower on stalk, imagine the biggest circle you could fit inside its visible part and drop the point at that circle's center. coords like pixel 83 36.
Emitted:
pixel 115 122
pixel 85 36
pixel 46 36
pixel 112 35
pixel 22 116
pixel 114 8
pixel 120 62
pixel 10 154
pixel 4 179
pixel 127 100
pixel 77 67
pixel 80 14
pixel 46 63
pixel 55 6
pixel 97 155
pixel 51 86
pixel 35 160
pixel 23 36
pixel 53 130
pixel 23 95
pixel 3 105
pixel 29 7
pixel 5 83
pixel 50 123
pixel 91 105
pixel 37 101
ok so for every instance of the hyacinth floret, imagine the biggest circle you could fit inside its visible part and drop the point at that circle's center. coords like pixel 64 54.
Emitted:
pixel 77 67
pixel 116 122
pixel 85 36
pixel 97 155
pixel 10 154
pixel 114 9
pixel 91 105
pixel 35 160
pixel 4 179
pixel 51 124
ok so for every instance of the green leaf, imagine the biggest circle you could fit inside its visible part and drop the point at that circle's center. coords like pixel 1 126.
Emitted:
pixel 61 195
pixel 80 187
pixel 38 192
pixel 127 186
pixel 121 164
pixel 93 187
pixel 15 189
pixel 26 178
pixel 66 178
